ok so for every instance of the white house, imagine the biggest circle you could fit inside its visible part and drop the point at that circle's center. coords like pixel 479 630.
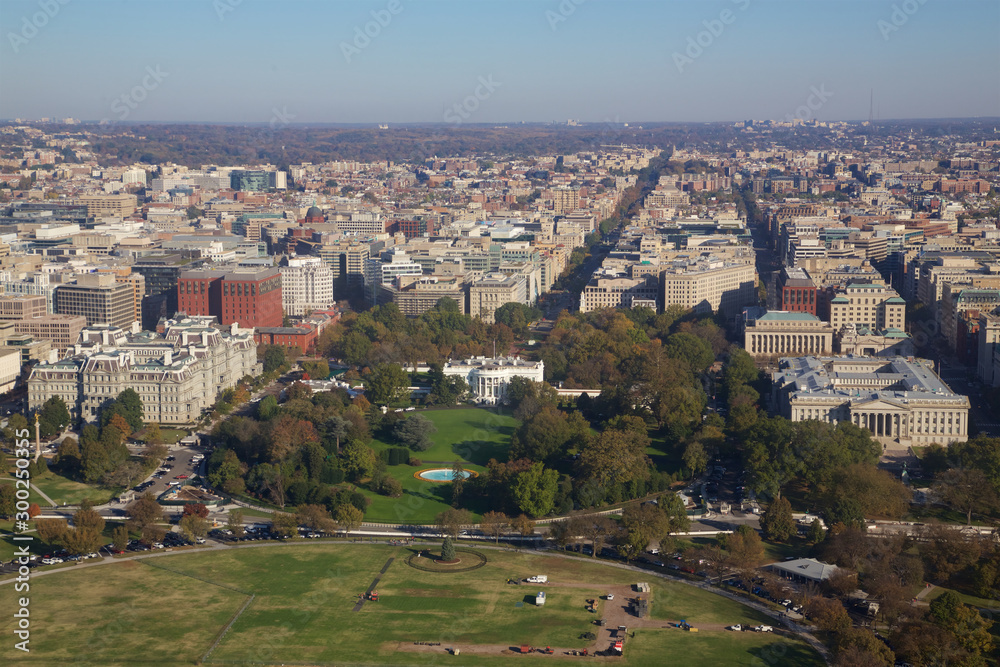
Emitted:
pixel 488 378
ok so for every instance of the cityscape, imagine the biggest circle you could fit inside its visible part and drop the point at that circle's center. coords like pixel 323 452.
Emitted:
pixel 411 333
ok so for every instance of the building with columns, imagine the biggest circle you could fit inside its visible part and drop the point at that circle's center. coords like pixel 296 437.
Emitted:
pixel 899 399
pixel 776 333
pixel 488 378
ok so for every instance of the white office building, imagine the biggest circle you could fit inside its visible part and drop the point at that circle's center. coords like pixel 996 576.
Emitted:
pixel 306 285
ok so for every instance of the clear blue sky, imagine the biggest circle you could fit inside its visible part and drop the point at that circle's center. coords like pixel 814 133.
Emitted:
pixel 606 60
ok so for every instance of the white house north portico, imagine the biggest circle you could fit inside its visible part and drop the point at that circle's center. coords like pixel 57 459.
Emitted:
pixel 488 378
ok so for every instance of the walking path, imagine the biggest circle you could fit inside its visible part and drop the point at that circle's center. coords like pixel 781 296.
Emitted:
pixel 42 494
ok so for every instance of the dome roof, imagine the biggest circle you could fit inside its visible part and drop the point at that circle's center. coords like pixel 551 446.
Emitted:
pixel 314 212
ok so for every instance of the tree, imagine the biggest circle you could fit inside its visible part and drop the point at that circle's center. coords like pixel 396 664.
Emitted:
pixel 688 347
pixel 777 522
pixel 267 409
pixel 234 522
pixel 285 524
pixel 119 538
pixel 87 518
pixel 82 541
pixel 349 518
pixel 153 533
pixel 453 521
pixel 495 524
pixel 8 500
pixel 616 457
pixel 153 434
pixel 695 458
pixel 51 531
pixel 359 460
pixel 193 526
pixel 274 358
pixel 829 615
pixel 53 417
pixel 144 511
pixel 386 384
pixel 524 525
pixel 68 457
pixel 414 432
pixel 744 548
pixel 965 490
pixel 534 490
pixel 676 514
pixel 816 532
pixel 643 523
pixel 129 405
pixel 197 509
pixel 123 475
pixel 448 550
pixel 964 622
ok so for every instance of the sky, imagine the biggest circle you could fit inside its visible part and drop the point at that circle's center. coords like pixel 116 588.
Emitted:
pixel 503 61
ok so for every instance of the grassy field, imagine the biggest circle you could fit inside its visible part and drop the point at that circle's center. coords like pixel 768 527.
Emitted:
pixel 471 436
pixel 64 491
pixel 61 489
pixel 467 435
pixel 174 607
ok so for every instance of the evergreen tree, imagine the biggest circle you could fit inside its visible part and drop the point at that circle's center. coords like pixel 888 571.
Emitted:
pixel 447 550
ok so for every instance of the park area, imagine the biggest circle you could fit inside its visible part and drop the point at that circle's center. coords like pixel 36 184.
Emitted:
pixel 470 436
pixel 299 603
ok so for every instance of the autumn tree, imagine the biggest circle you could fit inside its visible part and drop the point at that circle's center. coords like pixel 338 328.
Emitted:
pixel 495 524
pixel 51 531
pixel 453 521
pixel 234 522
pixel 349 518
pixel 284 524
pixel 193 526
pixel 197 509
pixel 966 490
pixel 119 538
pixel 744 549
pixel 144 511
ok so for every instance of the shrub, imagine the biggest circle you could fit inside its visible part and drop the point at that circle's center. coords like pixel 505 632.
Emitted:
pixel 416 463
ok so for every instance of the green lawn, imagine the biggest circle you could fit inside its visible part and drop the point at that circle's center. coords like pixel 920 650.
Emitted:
pixel 468 435
pixel 135 613
pixel 471 436
pixel 64 491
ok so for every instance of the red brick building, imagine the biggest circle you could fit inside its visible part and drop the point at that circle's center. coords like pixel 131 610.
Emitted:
pixel 302 337
pixel 411 228
pixel 251 297
pixel 797 290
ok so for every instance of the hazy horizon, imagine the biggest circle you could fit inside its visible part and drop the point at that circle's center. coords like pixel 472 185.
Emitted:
pixel 490 62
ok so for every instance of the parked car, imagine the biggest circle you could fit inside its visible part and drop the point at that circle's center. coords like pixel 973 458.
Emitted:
pixel 735 628
pixel 763 628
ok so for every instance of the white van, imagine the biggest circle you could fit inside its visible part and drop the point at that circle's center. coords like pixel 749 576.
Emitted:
pixel 538 579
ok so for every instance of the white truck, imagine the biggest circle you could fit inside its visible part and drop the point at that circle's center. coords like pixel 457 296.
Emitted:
pixel 538 579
